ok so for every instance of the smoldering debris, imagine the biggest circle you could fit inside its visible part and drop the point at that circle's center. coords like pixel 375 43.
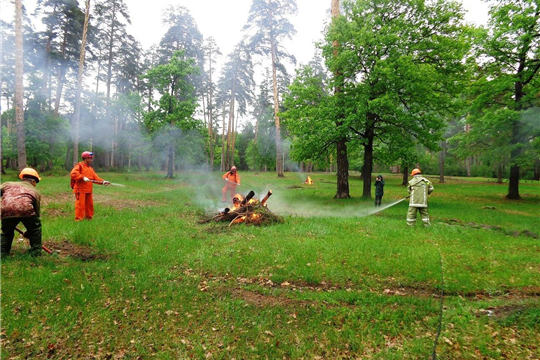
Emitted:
pixel 246 210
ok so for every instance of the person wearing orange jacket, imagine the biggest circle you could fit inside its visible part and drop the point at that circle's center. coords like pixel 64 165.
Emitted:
pixel 232 179
pixel 83 178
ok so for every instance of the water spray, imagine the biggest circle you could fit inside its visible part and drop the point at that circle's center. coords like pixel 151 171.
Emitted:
pixel 378 209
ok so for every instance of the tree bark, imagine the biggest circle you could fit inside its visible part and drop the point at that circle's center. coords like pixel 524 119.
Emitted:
pixel 229 133
pixel 341 145
pixel 536 172
pixel 210 116
pixel 442 157
pixel 513 183
pixel 109 80
pixel 223 143
pixel 60 76
pixel 19 111
pixel 279 146
pixel 405 175
pixel 170 162
pixel 367 169
pixel 499 173
pixel 77 110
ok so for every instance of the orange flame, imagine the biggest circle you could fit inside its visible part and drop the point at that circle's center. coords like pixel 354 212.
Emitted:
pixel 239 220
pixel 309 181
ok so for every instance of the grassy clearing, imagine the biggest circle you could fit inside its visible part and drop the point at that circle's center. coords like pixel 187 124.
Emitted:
pixel 145 280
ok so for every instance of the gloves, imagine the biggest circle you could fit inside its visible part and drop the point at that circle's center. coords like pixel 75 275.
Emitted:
pixel 86 179
pixel 105 182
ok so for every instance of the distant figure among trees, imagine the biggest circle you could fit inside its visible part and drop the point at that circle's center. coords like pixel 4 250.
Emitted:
pixel 379 190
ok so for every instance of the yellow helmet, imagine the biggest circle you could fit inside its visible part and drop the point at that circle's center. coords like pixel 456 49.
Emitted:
pixel 415 172
pixel 29 172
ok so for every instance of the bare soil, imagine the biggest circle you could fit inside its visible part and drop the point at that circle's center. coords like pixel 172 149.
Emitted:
pixel 65 248
pixel 261 300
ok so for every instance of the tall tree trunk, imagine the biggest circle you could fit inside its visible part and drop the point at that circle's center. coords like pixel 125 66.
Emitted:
pixel 499 173
pixel 279 146
pixel 46 69
pixel 442 157
pixel 536 171
pixel 341 146
pixel 223 142
pixel 99 72
pixel 109 80
pixel 19 111
pixel 77 110
pixel 405 175
pixel 367 169
pixel 210 116
pixel 233 143
pixel 170 162
pixel 60 75
pixel 230 129
pixel 513 183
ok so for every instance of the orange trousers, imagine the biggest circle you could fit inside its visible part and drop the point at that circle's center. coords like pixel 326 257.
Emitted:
pixel 231 189
pixel 84 206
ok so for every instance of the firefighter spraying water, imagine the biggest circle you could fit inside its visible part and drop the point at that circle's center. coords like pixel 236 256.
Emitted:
pixel 83 177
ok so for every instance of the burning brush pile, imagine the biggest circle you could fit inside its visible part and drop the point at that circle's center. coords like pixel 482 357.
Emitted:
pixel 247 210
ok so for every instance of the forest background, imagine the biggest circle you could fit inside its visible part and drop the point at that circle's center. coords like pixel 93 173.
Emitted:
pixel 392 85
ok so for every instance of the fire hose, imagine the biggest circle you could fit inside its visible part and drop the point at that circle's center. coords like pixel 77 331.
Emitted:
pixel 232 182
pixel 103 183
pixel 42 246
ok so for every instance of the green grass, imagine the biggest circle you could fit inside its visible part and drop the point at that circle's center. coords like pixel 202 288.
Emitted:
pixel 330 282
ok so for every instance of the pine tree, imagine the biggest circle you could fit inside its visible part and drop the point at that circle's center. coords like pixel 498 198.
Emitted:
pixel 267 27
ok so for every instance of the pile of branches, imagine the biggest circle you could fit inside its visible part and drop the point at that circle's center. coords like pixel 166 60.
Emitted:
pixel 251 211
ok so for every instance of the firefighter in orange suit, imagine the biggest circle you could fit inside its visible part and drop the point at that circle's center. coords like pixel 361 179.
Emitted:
pixel 232 179
pixel 83 178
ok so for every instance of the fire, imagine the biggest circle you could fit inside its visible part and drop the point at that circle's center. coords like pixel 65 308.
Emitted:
pixel 246 209
pixel 250 217
pixel 238 220
pixel 237 202
pixel 309 181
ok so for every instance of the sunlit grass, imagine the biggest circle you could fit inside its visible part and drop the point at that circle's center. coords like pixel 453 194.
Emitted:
pixel 330 282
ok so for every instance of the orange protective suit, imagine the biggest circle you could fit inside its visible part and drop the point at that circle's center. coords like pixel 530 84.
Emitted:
pixel 84 203
pixel 232 178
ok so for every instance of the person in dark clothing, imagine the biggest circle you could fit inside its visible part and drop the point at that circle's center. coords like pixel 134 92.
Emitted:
pixel 379 189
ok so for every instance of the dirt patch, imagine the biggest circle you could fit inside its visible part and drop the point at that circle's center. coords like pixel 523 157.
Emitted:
pixel 54 213
pixel 59 198
pixel 81 252
pixel 121 204
pixel 502 312
pixel 515 212
pixel 473 225
pixel 295 187
pixel 260 300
